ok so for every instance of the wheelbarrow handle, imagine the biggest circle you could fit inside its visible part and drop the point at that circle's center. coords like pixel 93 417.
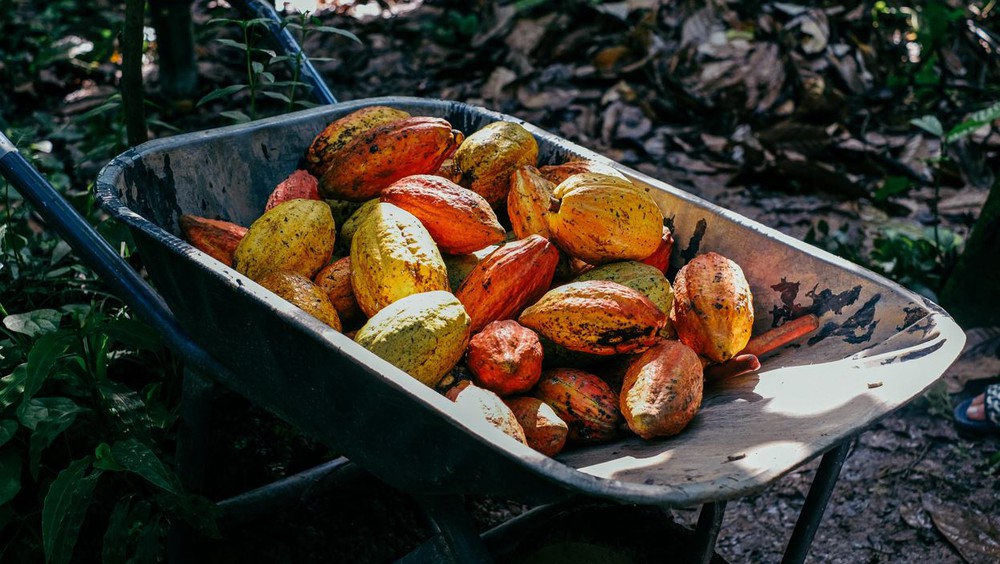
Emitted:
pixel 100 256
pixel 287 45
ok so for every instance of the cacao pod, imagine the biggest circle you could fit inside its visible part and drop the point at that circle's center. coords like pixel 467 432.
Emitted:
pixel 301 292
pixel 299 185
pixel 528 202
pixel 584 401
pixel 343 130
pixel 487 158
pixel 713 307
pixel 662 390
pixel 217 238
pixel 505 358
pixel 543 430
pixel 335 280
pixel 478 404
pixel 559 172
pixel 295 236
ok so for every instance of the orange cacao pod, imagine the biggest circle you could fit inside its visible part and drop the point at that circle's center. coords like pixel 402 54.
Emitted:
pixel 662 390
pixel 301 292
pixel 543 429
pixel 459 220
pixel 215 237
pixel 505 358
pixel 343 130
pixel 335 280
pixel 660 257
pixel 299 185
pixel 377 158
pixel 585 402
pixel 596 316
pixel 713 307
pixel 528 202
pixel 600 218
pixel 507 280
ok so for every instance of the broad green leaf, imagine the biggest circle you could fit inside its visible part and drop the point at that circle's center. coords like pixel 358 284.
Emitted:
pixel 975 121
pixel 231 43
pixel 34 323
pixel 891 186
pixel 221 93
pixel 62 249
pixel 147 546
pixel 59 418
pixel 257 67
pixel 930 124
pixel 12 386
pixel 986 115
pixel 266 78
pixel 131 333
pixel 10 475
pixel 64 509
pixel 138 458
pixel 104 458
pixel 38 410
pixel 126 408
pixel 41 360
pixel 116 537
pixel 7 429
pixel 236 116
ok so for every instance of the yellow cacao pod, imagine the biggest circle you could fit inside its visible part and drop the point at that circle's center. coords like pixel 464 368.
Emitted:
pixel 713 307
pixel 487 158
pixel 599 218
pixel 528 202
pixel 296 236
pixel 393 256
pixel 343 130
pixel 301 292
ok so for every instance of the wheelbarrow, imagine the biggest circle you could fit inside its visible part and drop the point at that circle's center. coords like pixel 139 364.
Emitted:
pixel 878 346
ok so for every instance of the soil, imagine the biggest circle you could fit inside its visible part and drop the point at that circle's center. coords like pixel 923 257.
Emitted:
pixel 755 122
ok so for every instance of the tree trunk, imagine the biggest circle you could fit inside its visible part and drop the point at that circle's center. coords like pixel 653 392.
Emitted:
pixel 972 292
pixel 175 46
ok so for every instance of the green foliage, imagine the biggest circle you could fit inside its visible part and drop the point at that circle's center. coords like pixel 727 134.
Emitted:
pixel 261 62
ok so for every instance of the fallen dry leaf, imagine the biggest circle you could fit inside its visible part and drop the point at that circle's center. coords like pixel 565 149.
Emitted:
pixel 974 535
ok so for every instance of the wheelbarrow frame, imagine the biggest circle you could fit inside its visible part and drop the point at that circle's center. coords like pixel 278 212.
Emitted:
pixel 545 480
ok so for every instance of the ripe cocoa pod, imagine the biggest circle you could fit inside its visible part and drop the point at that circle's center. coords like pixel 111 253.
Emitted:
pixel 459 266
pixel 217 238
pixel 299 185
pixel 335 281
pixel 449 171
pixel 713 307
pixel 543 429
pixel 459 220
pixel 301 292
pixel 660 257
pixel 662 390
pixel 487 157
pixel 584 401
pixel 383 155
pixel 600 218
pixel 480 405
pixel 559 172
pixel 597 317
pixel 295 236
pixel 393 256
pixel 641 277
pixel 505 358
pixel 422 334
pixel 341 131
pixel 507 280
pixel 349 227
pixel 528 202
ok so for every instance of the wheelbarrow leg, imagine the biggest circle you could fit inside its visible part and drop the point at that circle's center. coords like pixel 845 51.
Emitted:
pixel 454 538
pixel 815 505
pixel 706 532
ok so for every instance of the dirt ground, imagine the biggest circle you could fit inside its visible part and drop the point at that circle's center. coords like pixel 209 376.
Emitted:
pixel 911 490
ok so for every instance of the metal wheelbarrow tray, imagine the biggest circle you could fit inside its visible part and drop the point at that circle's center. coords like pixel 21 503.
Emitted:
pixel 878 344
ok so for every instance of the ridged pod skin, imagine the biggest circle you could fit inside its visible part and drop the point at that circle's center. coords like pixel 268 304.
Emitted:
pixel 393 256
pixel 597 317
pixel 349 227
pixel 507 280
pixel 341 131
pixel 660 257
pixel 487 158
pixel 559 172
pixel 543 429
pixel 299 185
pixel 641 277
pixel 662 390
pixel 378 157
pixel 584 401
pixel 528 202
pixel 505 358
pixel 459 266
pixel 599 218
pixel 459 220
pixel 217 238
pixel 423 335
pixel 335 280
pixel 713 307
pixel 295 236
pixel 301 292
pixel 479 404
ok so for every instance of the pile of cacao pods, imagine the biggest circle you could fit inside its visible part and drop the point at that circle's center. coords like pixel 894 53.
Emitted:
pixel 535 297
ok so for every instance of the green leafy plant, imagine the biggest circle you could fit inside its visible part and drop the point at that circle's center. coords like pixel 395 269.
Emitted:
pixel 260 63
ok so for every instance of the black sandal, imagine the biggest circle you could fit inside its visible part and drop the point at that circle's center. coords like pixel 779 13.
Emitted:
pixel 988 426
